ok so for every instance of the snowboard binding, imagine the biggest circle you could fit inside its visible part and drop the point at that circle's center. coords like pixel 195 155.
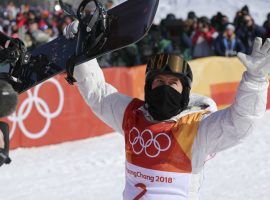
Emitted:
pixel 92 34
pixel 12 52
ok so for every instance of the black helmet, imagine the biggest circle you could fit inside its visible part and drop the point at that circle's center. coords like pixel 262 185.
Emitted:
pixel 169 64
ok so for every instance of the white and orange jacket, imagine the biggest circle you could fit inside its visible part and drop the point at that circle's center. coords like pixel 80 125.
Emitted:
pixel 164 159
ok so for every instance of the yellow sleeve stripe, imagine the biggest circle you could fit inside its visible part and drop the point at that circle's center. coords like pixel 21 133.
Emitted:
pixel 185 131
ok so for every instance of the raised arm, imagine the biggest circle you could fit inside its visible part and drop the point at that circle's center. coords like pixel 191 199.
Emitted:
pixel 105 101
pixel 226 128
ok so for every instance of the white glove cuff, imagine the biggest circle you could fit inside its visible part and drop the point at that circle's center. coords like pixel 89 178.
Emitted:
pixel 86 70
pixel 256 77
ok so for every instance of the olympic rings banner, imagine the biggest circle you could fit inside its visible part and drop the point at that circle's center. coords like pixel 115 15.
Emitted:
pixel 54 112
pixel 51 113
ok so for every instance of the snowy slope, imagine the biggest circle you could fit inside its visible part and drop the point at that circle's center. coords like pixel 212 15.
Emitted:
pixel 258 8
pixel 93 169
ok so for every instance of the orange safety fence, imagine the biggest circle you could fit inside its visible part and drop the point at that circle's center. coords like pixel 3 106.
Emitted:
pixel 54 112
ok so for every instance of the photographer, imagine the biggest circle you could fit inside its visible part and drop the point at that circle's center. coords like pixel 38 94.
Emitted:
pixel 10 51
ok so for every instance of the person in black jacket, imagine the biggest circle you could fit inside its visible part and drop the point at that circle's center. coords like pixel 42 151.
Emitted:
pixel 9 53
pixel 248 31
pixel 266 25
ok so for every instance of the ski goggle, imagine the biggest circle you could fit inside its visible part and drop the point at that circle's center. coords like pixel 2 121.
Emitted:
pixel 167 62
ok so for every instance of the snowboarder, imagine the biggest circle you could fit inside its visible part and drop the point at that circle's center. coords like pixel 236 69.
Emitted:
pixel 169 136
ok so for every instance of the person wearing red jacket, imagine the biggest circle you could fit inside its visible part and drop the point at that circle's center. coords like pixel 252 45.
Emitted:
pixel 203 38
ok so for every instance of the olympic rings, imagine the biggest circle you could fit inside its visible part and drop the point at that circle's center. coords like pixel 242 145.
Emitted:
pixel 140 140
pixel 42 107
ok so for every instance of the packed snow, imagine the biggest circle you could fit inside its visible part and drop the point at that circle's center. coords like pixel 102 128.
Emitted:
pixel 93 169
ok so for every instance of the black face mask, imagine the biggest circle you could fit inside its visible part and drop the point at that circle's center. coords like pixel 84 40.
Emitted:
pixel 164 102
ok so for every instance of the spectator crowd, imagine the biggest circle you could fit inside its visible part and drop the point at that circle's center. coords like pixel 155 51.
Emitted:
pixel 193 37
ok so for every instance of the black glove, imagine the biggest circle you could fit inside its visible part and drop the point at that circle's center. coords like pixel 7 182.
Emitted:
pixel 4 153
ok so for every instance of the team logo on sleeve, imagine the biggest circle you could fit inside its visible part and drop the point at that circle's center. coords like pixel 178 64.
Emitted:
pixel 145 142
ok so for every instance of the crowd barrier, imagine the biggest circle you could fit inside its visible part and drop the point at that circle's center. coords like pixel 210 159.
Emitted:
pixel 54 112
